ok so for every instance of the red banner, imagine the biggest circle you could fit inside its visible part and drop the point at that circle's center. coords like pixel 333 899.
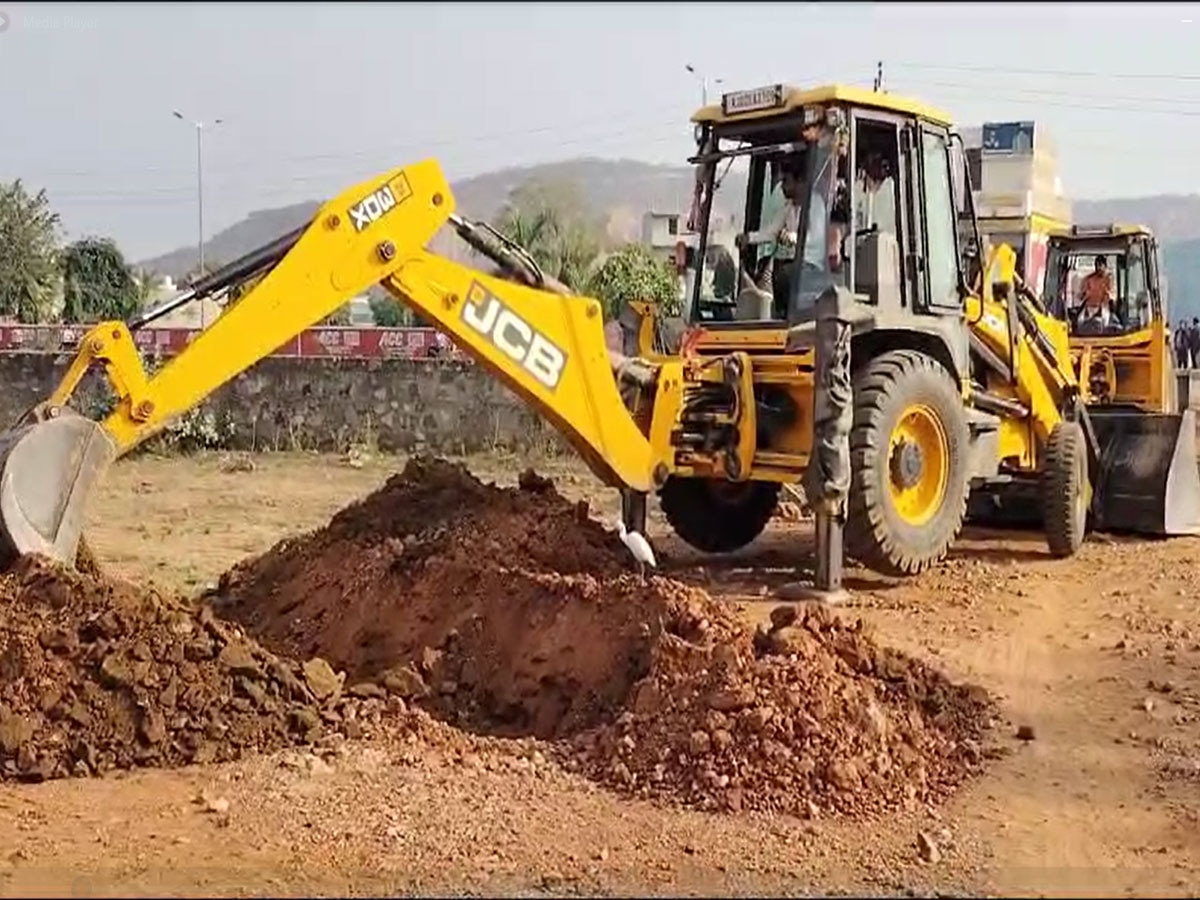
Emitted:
pixel 325 342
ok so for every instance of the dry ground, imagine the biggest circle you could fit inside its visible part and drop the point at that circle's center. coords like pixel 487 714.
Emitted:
pixel 1099 655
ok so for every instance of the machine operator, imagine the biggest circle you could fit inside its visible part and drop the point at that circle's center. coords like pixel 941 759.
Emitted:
pixel 1096 297
pixel 781 230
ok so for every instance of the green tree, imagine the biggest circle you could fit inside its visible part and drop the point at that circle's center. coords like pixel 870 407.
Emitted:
pixel 28 250
pixel 635 273
pixel 97 282
pixel 385 311
pixel 550 219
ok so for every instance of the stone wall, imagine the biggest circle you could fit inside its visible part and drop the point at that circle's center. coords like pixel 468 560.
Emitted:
pixel 284 404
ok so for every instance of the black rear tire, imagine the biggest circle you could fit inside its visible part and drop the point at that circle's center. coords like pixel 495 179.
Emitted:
pixel 878 533
pixel 1065 489
pixel 718 516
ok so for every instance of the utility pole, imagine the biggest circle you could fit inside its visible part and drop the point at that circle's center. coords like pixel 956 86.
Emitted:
pixel 703 83
pixel 199 197
pixel 878 76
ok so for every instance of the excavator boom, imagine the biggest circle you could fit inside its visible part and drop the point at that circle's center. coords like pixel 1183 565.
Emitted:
pixel 544 344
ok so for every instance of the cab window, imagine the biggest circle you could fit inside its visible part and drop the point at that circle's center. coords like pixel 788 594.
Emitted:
pixel 941 222
pixel 1137 288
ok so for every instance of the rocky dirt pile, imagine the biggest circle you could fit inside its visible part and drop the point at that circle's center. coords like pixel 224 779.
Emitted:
pixel 806 717
pixel 512 612
pixel 97 674
pixel 506 610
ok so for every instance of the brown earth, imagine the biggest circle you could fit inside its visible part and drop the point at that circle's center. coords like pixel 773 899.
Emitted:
pixel 1096 657
pixel 512 612
pixel 98 674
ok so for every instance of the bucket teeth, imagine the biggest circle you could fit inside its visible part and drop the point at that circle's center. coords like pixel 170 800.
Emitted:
pixel 47 470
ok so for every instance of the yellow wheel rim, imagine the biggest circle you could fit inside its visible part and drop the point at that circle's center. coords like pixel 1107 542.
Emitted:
pixel 918 464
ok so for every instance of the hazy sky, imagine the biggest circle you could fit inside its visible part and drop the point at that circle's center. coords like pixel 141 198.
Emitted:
pixel 315 97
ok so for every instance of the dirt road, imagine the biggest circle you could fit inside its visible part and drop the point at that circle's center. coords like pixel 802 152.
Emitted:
pixel 1098 658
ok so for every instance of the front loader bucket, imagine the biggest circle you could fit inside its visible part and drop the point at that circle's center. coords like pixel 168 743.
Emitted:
pixel 1149 481
pixel 46 473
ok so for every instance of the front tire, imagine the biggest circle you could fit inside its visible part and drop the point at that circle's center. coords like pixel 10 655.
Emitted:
pixel 1065 494
pixel 908 451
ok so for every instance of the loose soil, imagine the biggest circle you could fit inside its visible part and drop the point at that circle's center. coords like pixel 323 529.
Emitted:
pixel 99 674
pixel 1098 657
pixel 512 612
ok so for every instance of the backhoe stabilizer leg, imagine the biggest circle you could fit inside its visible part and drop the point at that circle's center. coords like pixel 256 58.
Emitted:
pixel 633 510
pixel 47 471
pixel 830 553
pixel 827 478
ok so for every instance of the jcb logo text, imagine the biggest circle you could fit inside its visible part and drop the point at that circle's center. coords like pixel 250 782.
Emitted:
pixel 514 337
pixel 377 204
pixel 371 208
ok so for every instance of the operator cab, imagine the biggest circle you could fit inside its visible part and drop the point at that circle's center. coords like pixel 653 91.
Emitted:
pixel 1128 257
pixel 798 190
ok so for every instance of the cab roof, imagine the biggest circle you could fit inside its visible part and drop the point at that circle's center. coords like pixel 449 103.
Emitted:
pixel 788 98
pixel 1106 229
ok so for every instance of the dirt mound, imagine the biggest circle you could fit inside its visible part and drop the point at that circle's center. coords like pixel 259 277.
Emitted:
pixel 97 674
pixel 806 717
pixel 511 611
pixel 506 609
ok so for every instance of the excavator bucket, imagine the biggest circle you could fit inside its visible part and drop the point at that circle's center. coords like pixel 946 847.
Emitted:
pixel 1149 480
pixel 47 470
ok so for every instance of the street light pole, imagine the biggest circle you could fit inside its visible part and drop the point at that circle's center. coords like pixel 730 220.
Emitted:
pixel 199 198
pixel 703 83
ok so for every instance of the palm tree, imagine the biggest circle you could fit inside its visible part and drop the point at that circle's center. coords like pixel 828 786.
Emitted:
pixel 565 250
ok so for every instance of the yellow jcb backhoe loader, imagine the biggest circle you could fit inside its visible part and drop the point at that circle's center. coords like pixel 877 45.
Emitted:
pixel 951 389
pixel 927 328
pixel 1125 368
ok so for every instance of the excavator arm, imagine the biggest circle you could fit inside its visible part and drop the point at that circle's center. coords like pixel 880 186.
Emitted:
pixel 1029 349
pixel 546 345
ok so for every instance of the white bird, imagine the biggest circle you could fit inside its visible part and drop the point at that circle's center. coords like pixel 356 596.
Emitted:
pixel 638 546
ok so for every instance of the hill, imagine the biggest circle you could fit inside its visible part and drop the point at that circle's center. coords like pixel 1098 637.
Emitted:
pixel 1181 263
pixel 621 191
pixel 1173 217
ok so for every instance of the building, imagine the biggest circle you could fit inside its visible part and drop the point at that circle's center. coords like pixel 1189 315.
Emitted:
pixel 660 230
pixel 1017 190
pixel 665 232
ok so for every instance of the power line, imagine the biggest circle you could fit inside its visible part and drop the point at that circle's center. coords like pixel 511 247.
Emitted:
pixel 163 196
pixel 1053 73
pixel 406 146
pixel 154 197
pixel 239 166
pixel 1039 96
pixel 601 138
pixel 1049 92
